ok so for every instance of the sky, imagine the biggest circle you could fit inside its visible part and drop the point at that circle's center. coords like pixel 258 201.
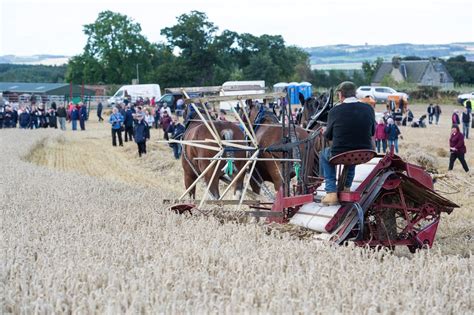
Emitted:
pixel 30 27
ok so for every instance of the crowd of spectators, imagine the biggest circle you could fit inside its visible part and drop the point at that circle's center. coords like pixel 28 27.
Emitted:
pixel 32 116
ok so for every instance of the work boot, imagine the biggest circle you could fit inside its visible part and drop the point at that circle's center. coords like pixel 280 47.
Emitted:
pixel 330 199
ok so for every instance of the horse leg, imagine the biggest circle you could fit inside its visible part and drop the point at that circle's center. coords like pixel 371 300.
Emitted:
pixel 188 181
pixel 214 188
pixel 255 185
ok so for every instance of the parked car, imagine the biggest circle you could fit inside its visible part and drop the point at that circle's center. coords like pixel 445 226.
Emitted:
pixel 135 92
pixel 171 98
pixel 379 93
pixel 463 97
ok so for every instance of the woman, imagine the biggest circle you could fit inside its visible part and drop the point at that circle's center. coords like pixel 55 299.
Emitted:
pixel 392 132
pixel 116 120
pixel 381 136
pixel 165 122
pixel 455 118
pixel 457 148
pixel 149 119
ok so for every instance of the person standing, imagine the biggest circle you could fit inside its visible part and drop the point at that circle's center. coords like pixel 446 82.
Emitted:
pixel 157 116
pixel 128 124
pixel 437 113
pixel 393 132
pixel 165 108
pixel 34 117
pixel 179 107
pixel 165 122
pixel 468 106
pixel 431 112
pixel 177 131
pixel 62 115
pixel 74 117
pixel 351 126
pixel 141 133
pixel 466 119
pixel 380 136
pixel 25 119
pixel 457 149
pixel 14 116
pixel 99 111
pixel 455 118
pixel 52 118
pixel 83 116
pixel 149 119
pixel 7 117
pixel 116 120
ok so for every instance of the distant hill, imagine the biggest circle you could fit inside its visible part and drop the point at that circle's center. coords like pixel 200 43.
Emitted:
pixel 342 54
pixel 48 60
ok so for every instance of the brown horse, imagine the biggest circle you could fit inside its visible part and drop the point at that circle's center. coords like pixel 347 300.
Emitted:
pixel 314 110
pixel 269 133
pixel 196 130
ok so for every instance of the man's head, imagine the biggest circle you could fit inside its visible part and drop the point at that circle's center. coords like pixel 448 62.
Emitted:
pixel 346 89
pixel 165 104
pixel 175 119
pixel 115 110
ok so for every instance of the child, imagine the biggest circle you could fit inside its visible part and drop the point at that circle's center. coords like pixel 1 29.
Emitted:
pixel 392 132
pixel 141 133
pixel 381 136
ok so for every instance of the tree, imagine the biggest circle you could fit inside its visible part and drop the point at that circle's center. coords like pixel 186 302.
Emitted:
pixel 370 69
pixel 460 69
pixel 114 47
pixel 194 36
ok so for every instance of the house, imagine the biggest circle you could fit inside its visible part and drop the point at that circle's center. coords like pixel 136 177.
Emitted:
pixel 430 72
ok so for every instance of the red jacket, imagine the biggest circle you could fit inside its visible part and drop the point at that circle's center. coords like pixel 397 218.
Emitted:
pixel 165 122
pixel 380 132
pixel 457 141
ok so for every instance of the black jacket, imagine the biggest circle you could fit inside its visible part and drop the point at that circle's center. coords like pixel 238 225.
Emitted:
pixel 61 112
pixel 141 132
pixel 465 118
pixel 351 126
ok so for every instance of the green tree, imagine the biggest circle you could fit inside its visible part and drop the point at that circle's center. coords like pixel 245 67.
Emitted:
pixel 369 68
pixel 194 35
pixel 114 47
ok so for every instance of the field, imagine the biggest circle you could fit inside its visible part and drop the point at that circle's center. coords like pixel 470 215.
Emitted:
pixel 84 230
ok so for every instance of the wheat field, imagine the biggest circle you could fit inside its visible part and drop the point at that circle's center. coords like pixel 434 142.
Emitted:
pixel 84 230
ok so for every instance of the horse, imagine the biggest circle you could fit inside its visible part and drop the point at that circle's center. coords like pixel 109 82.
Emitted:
pixel 197 130
pixel 269 133
pixel 314 107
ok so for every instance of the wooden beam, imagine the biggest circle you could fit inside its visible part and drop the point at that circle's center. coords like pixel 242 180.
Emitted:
pixel 235 97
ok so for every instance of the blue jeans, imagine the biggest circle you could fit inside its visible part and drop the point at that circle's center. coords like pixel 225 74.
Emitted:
pixel 437 118
pixel 394 143
pixel 465 130
pixel 329 172
pixel 74 124
pixel 384 145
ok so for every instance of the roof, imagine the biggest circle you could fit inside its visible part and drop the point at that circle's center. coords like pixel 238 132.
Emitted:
pixel 414 68
pixel 30 87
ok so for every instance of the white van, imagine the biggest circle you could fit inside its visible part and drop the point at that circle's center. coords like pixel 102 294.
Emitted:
pixel 135 92
pixel 241 87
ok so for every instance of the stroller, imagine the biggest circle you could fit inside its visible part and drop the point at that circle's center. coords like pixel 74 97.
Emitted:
pixel 420 123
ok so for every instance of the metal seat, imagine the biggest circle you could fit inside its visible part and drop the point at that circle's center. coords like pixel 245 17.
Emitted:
pixel 354 157
pixel 349 158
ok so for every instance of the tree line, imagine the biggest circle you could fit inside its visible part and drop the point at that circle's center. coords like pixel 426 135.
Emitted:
pixel 192 55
